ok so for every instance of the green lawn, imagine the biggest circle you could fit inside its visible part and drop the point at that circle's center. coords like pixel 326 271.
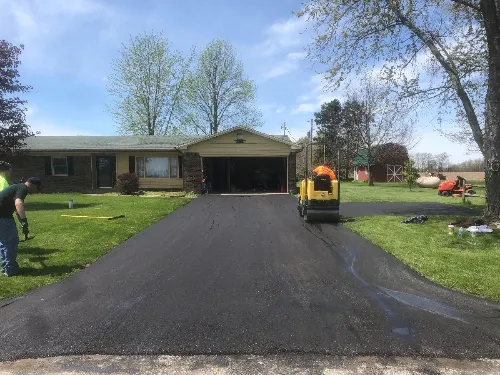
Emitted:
pixel 63 245
pixel 468 264
pixel 400 192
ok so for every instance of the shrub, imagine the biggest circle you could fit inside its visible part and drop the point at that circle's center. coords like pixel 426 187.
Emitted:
pixel 410 173
pixel 128 183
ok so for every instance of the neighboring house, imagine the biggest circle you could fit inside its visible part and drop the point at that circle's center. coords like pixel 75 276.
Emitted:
pixel 238 159
pixel 391 170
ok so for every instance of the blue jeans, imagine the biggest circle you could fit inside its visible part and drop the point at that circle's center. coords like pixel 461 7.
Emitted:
pixel 9 240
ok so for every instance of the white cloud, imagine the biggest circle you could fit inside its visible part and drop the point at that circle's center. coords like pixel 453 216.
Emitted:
pixel 34 20
pixel 296 55
pixel 272 107
pixel 289 64
pixel 304 108
pixel 281 35
pixel 42 25
pixel 318 95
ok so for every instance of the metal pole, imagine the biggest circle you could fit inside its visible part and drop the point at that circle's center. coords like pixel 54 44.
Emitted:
pixel 311 142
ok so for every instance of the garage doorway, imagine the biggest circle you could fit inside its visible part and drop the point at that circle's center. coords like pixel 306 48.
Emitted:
pixel 247 174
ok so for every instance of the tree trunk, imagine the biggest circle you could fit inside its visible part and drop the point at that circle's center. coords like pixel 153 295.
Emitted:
pixel 491 14
pixel 370 175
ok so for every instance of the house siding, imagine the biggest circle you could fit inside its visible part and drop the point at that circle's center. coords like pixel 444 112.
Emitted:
pixel 122 166
pixel 254 145
pixel 34 166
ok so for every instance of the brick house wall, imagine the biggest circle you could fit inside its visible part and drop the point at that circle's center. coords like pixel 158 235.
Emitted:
pixel 191 173
pixel 292 172
pixel 34 166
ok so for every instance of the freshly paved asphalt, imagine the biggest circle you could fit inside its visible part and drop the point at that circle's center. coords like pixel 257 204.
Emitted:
pixel 245 275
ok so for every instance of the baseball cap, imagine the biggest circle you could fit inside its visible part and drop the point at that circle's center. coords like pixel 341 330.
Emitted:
pixel 35 181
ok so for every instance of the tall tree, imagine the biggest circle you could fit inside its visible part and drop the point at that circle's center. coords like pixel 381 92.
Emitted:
pixel 148 85
pixel 220 96
pixel 339 135
pixel 329 123
pixel 459 40
pixel 378 120
pixel 13 127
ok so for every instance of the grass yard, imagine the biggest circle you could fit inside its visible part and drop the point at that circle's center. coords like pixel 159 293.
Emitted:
pixel 468 264
pixel 400 192
pixel 65 245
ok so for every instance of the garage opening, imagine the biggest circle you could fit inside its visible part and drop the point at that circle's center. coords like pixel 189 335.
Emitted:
pixel 246 174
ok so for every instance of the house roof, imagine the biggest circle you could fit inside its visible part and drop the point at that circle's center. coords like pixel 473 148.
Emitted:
pixel 280 138
pixel 103 143
pixel 125 143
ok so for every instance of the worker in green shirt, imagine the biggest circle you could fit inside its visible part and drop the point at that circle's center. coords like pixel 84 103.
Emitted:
pixel 5 169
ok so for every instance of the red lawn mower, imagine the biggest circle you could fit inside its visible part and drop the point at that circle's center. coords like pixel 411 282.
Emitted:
pixel 455 187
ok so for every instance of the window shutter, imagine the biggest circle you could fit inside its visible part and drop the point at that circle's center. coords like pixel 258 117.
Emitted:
pixel 180 166
pixel 71 169
pixel 131 164
pixel 48 165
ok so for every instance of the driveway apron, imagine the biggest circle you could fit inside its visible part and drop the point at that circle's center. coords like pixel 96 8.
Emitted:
pixel 245 275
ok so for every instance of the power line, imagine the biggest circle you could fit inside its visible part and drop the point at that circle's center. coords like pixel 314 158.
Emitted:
pixel 293 139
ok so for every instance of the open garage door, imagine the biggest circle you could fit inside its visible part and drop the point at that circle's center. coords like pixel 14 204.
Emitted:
pixel 247 174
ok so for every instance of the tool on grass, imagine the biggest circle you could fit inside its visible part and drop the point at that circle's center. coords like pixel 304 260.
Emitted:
pixel 95 217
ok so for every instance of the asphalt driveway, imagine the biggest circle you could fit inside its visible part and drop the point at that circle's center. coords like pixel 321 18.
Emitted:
pixel 245 275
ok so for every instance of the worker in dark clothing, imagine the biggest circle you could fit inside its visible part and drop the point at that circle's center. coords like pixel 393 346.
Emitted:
pixel 12 200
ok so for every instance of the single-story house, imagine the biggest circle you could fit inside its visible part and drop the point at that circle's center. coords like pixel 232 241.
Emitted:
pixel 388 168
pixel 238 159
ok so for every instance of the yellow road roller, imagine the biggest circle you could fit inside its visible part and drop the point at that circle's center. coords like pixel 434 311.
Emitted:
pixel 319 198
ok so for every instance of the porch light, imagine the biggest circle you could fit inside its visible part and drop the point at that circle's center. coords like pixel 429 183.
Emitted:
pixel 239 137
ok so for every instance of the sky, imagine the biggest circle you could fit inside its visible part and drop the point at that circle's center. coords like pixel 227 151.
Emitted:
pixel 69 46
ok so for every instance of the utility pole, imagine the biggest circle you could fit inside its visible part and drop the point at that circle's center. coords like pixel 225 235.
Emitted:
pixel 284 128
pixel 311 139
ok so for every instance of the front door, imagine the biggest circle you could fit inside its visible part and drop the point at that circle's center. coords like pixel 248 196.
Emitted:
pixel 106 166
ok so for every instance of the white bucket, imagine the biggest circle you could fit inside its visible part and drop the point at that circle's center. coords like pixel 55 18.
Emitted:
pixel 70 203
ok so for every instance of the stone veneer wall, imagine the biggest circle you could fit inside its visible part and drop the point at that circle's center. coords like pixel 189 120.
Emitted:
pixel 191 172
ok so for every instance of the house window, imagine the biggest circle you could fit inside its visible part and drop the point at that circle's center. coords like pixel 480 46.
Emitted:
pixel 157 167
pixel 174 167
pixel 59 166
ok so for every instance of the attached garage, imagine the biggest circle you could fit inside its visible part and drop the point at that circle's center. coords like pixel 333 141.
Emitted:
pixel 246 174
pixel 241 160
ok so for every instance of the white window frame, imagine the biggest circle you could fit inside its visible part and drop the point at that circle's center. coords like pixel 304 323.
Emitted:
pixel 52 165
pixel 169 160
pixel 170 166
